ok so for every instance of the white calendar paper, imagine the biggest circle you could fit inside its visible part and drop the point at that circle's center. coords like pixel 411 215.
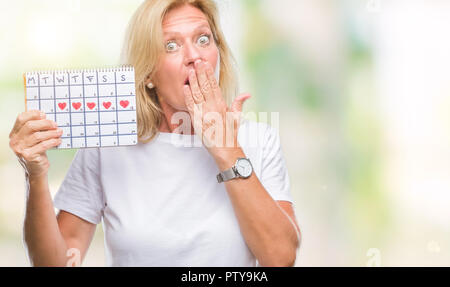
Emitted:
pixel 95 108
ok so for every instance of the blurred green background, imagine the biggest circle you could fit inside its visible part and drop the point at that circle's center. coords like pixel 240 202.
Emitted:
pixel 362 90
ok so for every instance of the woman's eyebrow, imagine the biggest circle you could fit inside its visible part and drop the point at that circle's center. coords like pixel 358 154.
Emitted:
pixel 170 33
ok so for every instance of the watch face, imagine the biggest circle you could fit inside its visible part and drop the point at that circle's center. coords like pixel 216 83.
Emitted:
pixel 244 167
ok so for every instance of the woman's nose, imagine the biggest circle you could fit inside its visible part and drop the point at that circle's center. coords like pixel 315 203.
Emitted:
pixel 191 54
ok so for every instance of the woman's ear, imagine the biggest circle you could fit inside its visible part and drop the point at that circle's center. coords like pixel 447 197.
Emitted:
pixel 149 83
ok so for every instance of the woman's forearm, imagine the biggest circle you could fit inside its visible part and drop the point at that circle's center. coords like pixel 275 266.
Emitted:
pixel 44 242
pixel 268 231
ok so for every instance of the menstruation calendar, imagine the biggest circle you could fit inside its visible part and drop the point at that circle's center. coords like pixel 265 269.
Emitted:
pixel 95 108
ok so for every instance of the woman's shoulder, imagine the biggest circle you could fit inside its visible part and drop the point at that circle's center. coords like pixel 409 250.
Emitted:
pixel 247 124
pixel 254 134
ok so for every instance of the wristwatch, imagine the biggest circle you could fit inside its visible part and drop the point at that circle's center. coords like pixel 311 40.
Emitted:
pixel 242 169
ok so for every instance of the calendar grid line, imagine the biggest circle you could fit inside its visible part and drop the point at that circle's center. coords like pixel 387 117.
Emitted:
pixel 84 110
pixel 117 115
pixel 106 111
pixel 98 110
pixel 54 93
pixel 39 91
pixel 74 85
pixel 70 116
pixel 75 98
pixel 98 136
pixel 104 124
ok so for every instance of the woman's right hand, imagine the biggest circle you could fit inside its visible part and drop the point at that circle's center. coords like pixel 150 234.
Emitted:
pixel 30 138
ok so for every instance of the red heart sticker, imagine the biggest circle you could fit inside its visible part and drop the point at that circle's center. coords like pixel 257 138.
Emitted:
pixel 76 106
pixel 91 105
pixel 106 105
pixel 62 105
pixel 124 104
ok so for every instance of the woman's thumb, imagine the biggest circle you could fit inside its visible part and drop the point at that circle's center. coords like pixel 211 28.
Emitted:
pixel 238 102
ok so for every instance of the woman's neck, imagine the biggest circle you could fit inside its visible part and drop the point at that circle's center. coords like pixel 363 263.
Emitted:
pixel 166 125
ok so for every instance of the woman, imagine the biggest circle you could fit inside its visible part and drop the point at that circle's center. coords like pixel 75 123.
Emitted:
pixel 163 203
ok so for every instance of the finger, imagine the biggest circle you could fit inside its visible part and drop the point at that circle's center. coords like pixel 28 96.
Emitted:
pixel 238 102
pixel 203 82
pixel 196 93
pixel 213 83
pixel 38 137
pixel 37 125
pixel 24 117
pixel 188 99
pixel 195 110
pixel 42 147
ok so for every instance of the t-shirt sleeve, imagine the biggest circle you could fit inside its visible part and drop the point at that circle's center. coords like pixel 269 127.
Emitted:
pixel 274 174
pixel 80 192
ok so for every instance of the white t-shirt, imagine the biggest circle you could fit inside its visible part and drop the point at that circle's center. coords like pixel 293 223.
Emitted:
pixel 160 202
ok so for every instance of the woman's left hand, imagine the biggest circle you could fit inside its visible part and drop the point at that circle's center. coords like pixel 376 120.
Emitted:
pixel 213 121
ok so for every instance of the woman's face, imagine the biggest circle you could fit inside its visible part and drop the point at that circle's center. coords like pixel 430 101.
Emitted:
pixel 187 37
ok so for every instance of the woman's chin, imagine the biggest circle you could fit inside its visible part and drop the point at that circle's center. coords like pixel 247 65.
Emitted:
pixel 179 107
pixel 174 105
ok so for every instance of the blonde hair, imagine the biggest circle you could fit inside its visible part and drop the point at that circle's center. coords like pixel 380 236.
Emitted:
pixel 144 44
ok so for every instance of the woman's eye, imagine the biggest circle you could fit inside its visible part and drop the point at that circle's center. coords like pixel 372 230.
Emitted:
pixel 171 46
pixel 203 40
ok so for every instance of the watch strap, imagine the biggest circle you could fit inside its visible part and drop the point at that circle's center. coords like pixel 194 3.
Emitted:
pixel 227 175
